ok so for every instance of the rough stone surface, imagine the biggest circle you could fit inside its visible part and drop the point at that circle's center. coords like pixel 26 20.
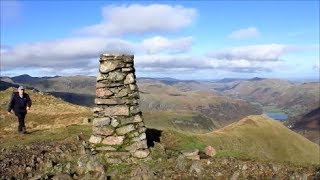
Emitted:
pixel 102 92
pixel 119 110
pixel 122 93
pixel 137 118
pixel 141 153
pixel 113 101
pixel 100 122
pixel 101 77
pixel 118 127
pixel 105 131
pixel 116 76
pixel 133 87
pixel 108 66
pixel 190 153
pixel 210 151
pixel 137 145
pixel 125 129
pixel 141 137
pixel 127 69
pixel 114 122
pixel 106 148
pixel 113 140
pixel 134 110
pixel 117 154
pixel 95 139
pixel 129 79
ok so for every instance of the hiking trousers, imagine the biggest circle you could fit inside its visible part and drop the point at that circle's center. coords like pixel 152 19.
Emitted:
pixel 21 117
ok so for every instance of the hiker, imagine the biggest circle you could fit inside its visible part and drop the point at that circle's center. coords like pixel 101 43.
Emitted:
pixel 20 103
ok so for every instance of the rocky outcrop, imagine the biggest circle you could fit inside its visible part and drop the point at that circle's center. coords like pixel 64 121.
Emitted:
pixel 118 127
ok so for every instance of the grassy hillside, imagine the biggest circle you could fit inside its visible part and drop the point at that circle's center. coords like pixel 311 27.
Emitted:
pixel 220 110
pixel 255 137
pixel 47 113
pixel 294 99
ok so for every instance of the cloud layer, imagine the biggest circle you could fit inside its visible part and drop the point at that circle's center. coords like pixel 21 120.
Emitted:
pixel 265 52
pixel 139 19
pixel 153 53
pixel 250 32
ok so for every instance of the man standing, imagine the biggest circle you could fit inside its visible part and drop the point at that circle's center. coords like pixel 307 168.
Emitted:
pixel 20 103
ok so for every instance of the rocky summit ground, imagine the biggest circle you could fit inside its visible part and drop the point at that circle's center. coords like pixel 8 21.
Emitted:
pixel 73 158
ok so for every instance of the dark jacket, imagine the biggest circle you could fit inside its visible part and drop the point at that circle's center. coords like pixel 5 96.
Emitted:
pixel 19 104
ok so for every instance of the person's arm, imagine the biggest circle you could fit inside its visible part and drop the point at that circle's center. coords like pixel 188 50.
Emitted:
pixel 11 103
pixel 29 102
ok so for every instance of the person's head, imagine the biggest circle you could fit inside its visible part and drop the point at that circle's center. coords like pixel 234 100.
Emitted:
pixel 20 89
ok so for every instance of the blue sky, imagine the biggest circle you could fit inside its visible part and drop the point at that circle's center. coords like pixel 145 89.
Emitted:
pixel 178 39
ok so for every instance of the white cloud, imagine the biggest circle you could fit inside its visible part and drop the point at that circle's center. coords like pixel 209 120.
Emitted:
pixel 250 32
pixel 68 53
pixel 81 52
pixel 267 52
pixel 138 19
pixel 158 44
pixel 160 62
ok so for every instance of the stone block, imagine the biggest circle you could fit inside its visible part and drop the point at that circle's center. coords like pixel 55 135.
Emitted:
pixel 127 69
pixel 133 87
pixel 123 92
pixel 134 95
pixel 108 66
pixel 114 122
pixel 106 148
pixel 101 77
pixel 128 58
pixel 129 65
pixel 137 145
pixel 103 93
pixel 95 139
pixel 96 109
pixel 119 110
pixel 113 140
pixel 132 102
pixel 104 131
pixel 133 134
pixel 141 137
pixel 142 129
pixel 109 101
pixel 137 118
pixel 106 57
pixel 193 152
pixel 115 76
pixel 129 79
pixel 141 153
pixel 210 151
pixel 125 129
pixel 109 84
pixel 100 122
pixel 134 110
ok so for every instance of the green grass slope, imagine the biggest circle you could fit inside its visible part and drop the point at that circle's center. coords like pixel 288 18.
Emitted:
pixel 47 113
pixel 254 137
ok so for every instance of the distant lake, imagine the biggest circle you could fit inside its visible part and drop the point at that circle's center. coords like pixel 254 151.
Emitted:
pixel 277 116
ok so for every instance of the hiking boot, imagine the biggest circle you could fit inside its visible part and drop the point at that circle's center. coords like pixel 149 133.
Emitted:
pixel 24 131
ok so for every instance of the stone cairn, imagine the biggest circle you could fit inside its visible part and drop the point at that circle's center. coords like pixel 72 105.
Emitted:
pixel 118 129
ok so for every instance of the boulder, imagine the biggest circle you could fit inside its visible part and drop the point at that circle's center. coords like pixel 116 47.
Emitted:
pixel 210 151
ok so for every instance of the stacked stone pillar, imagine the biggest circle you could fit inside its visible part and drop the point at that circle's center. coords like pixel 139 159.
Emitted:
pixel 118 129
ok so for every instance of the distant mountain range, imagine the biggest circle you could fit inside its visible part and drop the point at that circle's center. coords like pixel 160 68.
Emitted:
pixel 218 102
